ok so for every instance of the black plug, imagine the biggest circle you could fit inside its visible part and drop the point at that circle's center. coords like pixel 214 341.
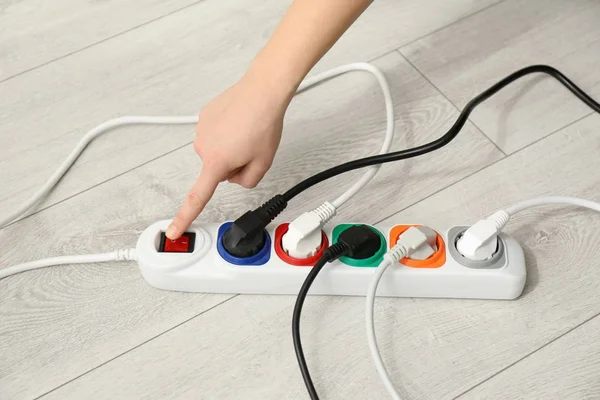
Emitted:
pixel 358 242
pixel 246 236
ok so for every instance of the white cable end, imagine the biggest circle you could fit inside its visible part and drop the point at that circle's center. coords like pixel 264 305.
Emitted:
pixel 418 242
pixel 500 219
pixel 480 241
pixel 304 238
pixel 325 212
pixel 125 255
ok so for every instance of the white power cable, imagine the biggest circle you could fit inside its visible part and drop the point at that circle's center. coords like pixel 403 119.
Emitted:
pixel 389 111
pixel 414 240
pixel 117 255
pixel 480 241
pixel 548 200
pixel 370 325
pixel 91 135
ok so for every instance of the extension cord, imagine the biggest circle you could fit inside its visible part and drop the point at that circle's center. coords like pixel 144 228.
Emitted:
pixel 205 270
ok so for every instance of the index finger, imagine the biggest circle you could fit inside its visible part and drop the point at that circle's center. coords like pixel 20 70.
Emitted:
pixel 196 200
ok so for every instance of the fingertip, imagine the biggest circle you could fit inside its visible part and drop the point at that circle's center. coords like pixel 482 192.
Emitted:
pixel 195 202
pixel 172 232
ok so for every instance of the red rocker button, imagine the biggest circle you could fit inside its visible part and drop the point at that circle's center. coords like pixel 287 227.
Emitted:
pixel 185 244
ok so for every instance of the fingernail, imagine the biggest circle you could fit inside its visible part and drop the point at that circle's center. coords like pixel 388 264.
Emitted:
pixel 171 232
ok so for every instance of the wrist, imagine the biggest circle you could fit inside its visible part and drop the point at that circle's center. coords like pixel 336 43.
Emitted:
pixel 273 79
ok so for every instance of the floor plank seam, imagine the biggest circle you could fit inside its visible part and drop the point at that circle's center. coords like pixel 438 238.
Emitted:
pixel 577 326
pixel 198 2
pixel 135 347
pixel 48 206
pixel 441 189
pixel 100 41
pixel 454 22
pixel 450 101
pixel 476 126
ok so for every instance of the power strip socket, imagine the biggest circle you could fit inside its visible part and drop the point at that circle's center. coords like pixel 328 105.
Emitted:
pixel 197 265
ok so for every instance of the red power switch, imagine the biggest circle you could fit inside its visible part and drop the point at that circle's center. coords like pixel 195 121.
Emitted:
pixel 185 244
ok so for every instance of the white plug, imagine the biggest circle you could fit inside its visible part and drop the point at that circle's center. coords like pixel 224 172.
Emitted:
pixel 304 237
pixel 417 242
pixel 480 241
pixel 427 249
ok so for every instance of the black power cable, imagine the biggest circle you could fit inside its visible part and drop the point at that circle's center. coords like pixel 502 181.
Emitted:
pixel 449 136
pixel 312 392
pixel 358 241
pixel 243 233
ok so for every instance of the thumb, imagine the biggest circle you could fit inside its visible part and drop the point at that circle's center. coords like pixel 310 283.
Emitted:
pixel 196 200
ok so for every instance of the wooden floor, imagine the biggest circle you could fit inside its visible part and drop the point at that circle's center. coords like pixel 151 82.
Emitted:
pixel 100 332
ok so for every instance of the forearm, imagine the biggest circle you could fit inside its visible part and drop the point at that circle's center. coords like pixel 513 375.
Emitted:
pixel 308 30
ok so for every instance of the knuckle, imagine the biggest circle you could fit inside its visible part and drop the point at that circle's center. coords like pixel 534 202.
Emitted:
pixel 178 220
pixel 249 183
pixel 212 163
pixel 197 147
pixel 267 163
pixel 194 200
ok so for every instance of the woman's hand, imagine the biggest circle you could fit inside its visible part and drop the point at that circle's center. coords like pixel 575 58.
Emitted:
pixel 237 136
pixel 238 132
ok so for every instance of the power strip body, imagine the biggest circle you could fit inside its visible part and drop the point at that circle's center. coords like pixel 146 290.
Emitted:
pixel 204 270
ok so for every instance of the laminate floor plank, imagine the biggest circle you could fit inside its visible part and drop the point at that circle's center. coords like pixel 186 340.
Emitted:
pixel 567 368
pixel 36 32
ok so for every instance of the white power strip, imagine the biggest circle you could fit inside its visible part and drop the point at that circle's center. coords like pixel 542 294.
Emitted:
pixel 205 270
